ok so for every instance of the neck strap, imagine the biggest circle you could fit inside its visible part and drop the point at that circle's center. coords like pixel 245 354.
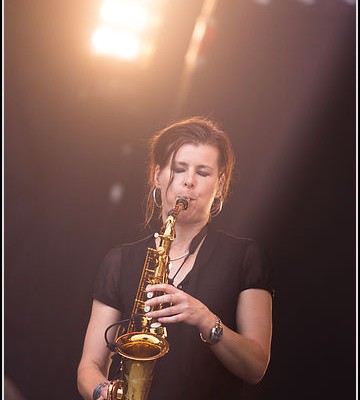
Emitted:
pixel 192 248
pixel 197 239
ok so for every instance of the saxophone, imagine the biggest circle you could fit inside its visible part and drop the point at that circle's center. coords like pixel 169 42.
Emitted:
pixel 145 339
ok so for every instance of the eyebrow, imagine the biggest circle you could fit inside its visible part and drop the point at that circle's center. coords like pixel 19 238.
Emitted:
pixel 184 164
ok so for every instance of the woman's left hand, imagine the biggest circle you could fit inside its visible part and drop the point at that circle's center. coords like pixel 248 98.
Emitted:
pixel 182 308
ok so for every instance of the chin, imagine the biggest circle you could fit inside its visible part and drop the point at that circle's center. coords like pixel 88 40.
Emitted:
pixel 192 217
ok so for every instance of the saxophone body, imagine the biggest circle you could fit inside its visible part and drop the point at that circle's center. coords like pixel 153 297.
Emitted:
pixel 145 339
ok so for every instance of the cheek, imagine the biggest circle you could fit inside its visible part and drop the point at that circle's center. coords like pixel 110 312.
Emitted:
pixel 163 181
pixel 211 189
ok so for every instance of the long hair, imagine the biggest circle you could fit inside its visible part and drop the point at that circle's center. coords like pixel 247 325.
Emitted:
pixel 165 144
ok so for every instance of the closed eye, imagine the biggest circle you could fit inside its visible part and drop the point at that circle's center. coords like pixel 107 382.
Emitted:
pixel 203 173
pixel 179 170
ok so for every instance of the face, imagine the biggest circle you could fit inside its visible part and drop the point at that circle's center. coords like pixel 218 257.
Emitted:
pixel 195 175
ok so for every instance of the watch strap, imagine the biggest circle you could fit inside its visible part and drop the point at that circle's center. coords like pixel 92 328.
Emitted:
pixel 215 334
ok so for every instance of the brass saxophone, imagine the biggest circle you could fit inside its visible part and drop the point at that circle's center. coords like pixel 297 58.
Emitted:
pixel 144 342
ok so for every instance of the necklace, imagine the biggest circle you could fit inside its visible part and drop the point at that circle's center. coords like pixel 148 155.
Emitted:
pixel 193 245
pixel 180 257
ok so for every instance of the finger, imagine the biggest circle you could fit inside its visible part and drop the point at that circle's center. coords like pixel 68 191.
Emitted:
pixel 165 298
pixel 172 319
pixel 104 393
pixel 165 312
pixel 161 287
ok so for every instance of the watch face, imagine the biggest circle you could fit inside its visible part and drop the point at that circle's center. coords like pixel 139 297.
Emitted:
pixel 216 334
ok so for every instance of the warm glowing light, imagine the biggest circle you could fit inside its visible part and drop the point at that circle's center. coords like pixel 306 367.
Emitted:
pixel 128 28
pixel 128 14
pixel 117 43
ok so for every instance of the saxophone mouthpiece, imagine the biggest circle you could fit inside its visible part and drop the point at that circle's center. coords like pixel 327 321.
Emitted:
pixel 184 201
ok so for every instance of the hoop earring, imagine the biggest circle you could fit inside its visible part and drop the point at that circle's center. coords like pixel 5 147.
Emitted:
pixel 217 210
pixel 154 197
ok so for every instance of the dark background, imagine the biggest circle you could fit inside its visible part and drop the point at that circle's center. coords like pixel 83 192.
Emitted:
pixel 280 78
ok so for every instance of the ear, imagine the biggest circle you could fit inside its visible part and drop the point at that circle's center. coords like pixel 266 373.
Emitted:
pixel 221 185
pixel 156 176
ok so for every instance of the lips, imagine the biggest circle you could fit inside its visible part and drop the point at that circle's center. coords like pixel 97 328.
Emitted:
pixel 190 198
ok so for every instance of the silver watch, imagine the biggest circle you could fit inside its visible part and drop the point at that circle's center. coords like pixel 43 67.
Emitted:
pixel 216 333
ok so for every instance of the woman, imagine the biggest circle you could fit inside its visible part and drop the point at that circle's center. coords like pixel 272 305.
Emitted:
pixel 219 320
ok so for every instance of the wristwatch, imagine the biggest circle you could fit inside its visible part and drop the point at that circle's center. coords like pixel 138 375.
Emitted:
pixel 216 333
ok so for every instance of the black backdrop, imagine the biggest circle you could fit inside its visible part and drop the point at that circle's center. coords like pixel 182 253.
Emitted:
pixel 280 78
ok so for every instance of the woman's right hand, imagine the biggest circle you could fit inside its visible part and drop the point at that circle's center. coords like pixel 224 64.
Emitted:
pixel 96 356
pixel 103 392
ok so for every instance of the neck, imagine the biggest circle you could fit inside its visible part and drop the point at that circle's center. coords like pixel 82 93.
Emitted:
pixel 184 235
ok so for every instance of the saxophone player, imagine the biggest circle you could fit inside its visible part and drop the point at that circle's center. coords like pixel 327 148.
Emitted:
pixel 219 292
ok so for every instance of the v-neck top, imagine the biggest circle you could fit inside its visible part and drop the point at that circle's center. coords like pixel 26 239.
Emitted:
pixel 224 266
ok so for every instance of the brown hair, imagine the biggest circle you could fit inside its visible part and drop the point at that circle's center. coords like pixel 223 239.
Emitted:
pixel 195 130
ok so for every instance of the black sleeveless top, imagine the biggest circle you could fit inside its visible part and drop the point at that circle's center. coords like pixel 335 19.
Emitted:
pixel 225 266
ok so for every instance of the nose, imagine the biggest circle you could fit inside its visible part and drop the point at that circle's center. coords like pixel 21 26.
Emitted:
pixel 189 180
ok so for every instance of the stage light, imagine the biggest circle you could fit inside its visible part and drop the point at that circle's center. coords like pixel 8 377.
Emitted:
pixel 120 44
pixel 130 15
pixel 127 29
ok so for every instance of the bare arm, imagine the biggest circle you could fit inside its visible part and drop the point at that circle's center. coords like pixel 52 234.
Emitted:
pixel 94 362
pixel 246 352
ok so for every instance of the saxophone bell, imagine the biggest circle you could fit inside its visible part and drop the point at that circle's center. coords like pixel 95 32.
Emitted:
pixel 139 353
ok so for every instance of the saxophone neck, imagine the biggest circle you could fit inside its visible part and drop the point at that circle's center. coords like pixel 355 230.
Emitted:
pixel 168 229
